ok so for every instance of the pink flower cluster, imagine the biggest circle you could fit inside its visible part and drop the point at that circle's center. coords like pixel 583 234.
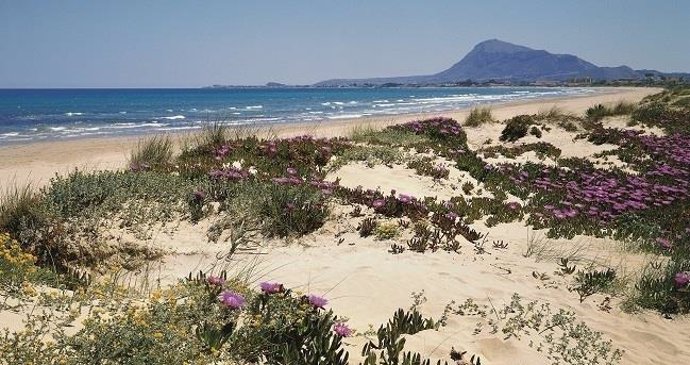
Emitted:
pixel 599 194
pixel 293 179
pixel 440 125
pixel 221 152
pixel 230 173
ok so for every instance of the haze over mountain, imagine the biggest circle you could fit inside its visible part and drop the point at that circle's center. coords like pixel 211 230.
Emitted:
pixel 506 62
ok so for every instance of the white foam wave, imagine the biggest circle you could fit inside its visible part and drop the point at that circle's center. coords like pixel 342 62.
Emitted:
pixel 180 128
pixel 72 114
pixel 345 116
pixel 175 117
pixel 135 125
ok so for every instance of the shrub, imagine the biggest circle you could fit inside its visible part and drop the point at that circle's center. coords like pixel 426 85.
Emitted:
pixel 372 155
pixel 664 286
pixel 479 116
pixel 292 210
pixel 367 227
pixel 467 187
pixel 391 343
pixel 386 231
pixel 516 128
pixel 425 167
pixel 649 113
pixel 535 131
pixel 588 283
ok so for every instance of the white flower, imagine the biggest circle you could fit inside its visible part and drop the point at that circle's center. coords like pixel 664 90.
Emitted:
pixel 237 164
pixel 252 170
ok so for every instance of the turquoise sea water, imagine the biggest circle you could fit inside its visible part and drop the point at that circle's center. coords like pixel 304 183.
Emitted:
pixel 50 114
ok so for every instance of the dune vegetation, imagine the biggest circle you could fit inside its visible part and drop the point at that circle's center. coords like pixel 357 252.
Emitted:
pixel 60 252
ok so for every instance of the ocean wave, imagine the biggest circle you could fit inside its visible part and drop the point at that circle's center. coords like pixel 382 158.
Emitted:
pixel 72 114
pixel 189 127
pixel 345 116
pixel 251 107
pixel 175 117
pixel 134 125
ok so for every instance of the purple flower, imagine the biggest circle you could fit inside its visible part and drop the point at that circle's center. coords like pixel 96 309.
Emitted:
pixel 271 288
pixel 404 198
pixel 342 330
pixel 451 216
pixel 291 171
pixel 664 243
pixel 199 195
pixel 316 301
pixel 682 279
pixel 232 300
pixel 215 280
pixel 378 203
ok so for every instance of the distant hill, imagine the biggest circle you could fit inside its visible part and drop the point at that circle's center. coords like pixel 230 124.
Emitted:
pixel 496 60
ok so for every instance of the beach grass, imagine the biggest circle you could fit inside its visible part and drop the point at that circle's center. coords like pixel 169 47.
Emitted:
pixel 479 116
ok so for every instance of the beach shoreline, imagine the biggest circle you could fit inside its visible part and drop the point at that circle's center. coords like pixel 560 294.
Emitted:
pixel 37 162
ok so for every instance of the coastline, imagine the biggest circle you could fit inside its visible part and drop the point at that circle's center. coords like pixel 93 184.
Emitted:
pixel 37 162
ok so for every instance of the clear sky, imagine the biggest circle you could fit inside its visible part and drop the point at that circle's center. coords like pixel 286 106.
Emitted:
pixel 180 43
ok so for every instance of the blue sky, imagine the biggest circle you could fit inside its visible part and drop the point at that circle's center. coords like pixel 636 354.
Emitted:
pixel 181 43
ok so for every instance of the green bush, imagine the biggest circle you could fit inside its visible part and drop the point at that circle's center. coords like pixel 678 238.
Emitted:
pixel 659 289
pixel 292 210
pixel 649 113
pixel 516 128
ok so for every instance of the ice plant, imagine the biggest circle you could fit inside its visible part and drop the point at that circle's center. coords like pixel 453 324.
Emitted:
pixel 342 330
pixel 199 195
pixel 664 243
pixel 271 288
pixel 378 203
pixel 682 279
pixel 404 198
pixel 231 299
pixel 316 301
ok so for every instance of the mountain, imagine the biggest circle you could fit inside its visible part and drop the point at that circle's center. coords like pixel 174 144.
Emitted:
pixel 497 60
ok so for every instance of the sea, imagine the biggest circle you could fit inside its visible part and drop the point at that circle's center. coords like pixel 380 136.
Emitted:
pixel 30 115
